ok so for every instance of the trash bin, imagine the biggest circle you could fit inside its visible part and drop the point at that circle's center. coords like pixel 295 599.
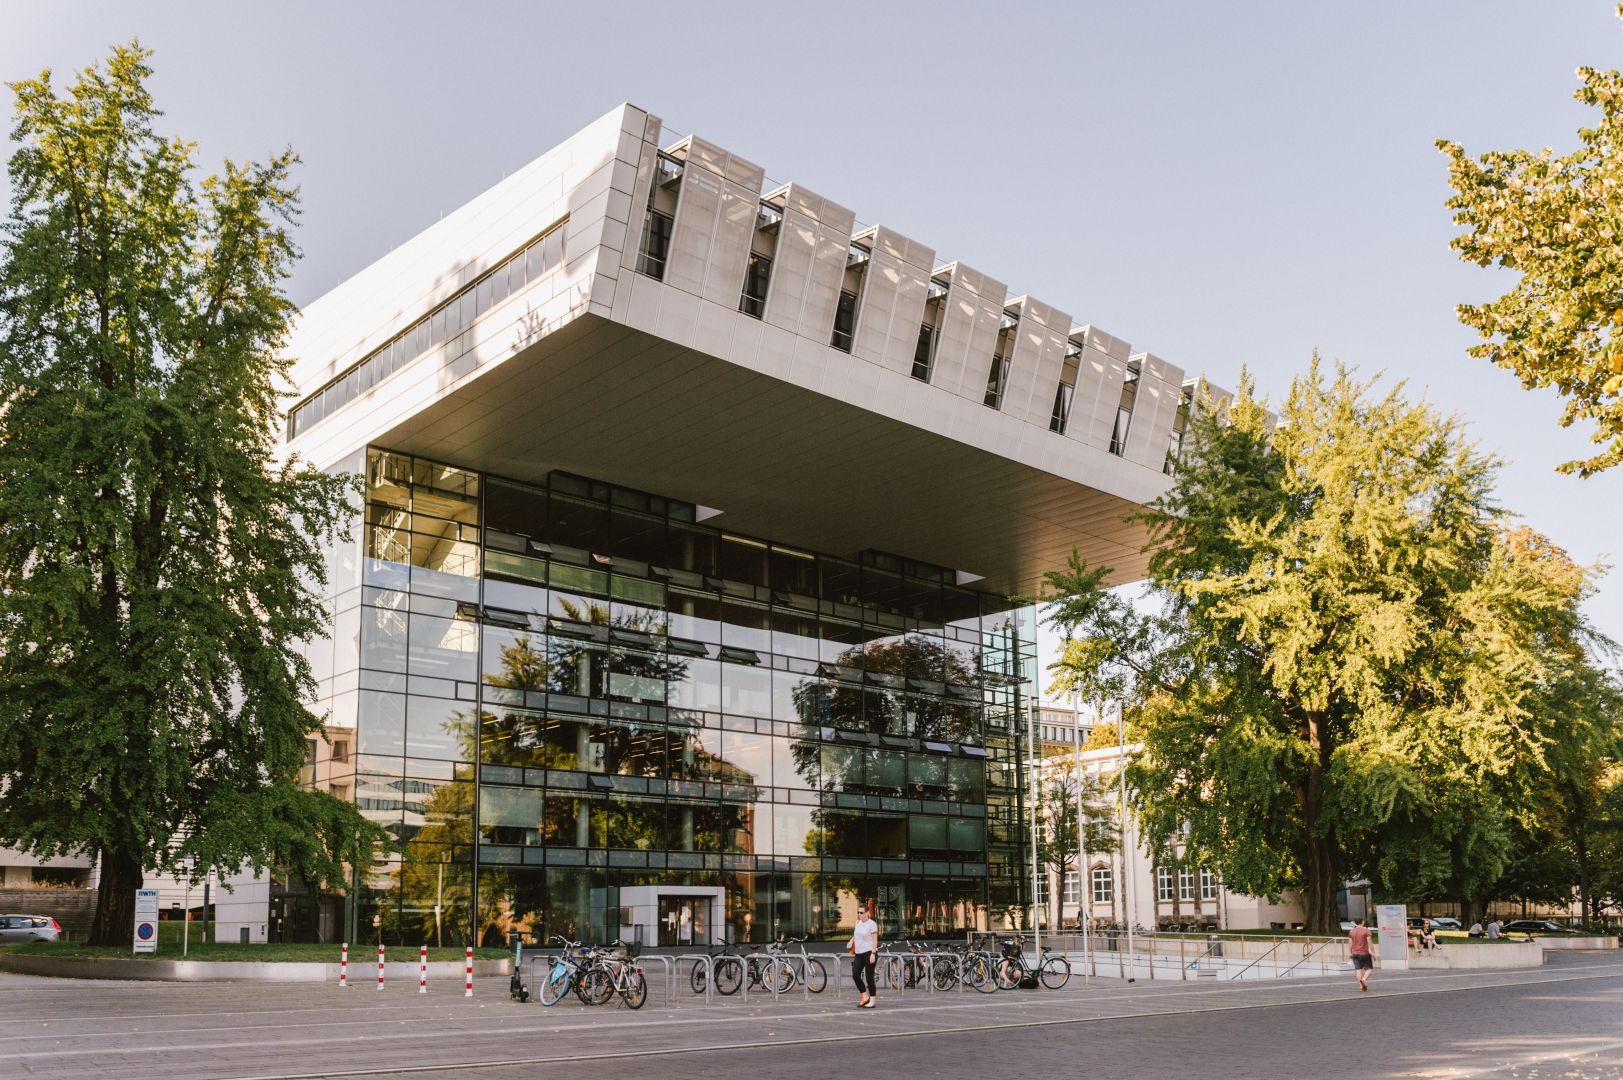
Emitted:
pixel 1214 945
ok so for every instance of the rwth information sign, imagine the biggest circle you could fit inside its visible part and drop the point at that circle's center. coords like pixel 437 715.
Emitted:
pixel 146 920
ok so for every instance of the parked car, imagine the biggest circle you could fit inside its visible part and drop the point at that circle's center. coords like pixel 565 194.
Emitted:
pixel 1446 922
pixel 15 929
pixel 1536 926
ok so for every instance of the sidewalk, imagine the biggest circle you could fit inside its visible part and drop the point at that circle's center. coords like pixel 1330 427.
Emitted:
pixel 73 1028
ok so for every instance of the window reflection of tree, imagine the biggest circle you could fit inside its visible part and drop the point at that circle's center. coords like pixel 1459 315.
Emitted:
pixel 914 686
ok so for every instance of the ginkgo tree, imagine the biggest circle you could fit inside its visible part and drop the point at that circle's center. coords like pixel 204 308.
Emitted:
pixel 159 568
pixel 1556 221
pixel 1345 662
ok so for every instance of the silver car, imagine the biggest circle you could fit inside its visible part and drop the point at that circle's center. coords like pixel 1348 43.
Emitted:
pixel 15 929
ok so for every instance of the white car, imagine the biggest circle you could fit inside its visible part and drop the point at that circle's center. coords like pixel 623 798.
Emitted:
pixel 16 929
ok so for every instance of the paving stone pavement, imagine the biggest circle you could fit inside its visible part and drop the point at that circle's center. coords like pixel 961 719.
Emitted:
pixel 1565 1019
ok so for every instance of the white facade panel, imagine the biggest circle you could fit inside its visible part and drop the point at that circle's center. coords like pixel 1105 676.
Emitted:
pixel 1039 353
pixel 715 221
pixel 969 327
pixel 813 240
pixel 891 308
pixel 1160 389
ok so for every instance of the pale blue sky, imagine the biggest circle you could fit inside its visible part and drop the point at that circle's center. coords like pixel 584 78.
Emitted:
pixel 1221 184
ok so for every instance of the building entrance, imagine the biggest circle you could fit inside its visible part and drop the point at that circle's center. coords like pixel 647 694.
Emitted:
pixel 684 920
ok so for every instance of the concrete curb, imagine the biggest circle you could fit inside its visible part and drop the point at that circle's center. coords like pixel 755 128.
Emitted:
pixel 363 974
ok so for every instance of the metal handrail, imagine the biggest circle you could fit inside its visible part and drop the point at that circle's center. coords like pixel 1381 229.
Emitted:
pixel 1308 954
pixel 1273 949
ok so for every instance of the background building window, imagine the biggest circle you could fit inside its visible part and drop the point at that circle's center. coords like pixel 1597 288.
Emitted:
pixel 1186 884
pixel 1163 883
pixel 1208 885
pixel 1103 885
pixel 1073 887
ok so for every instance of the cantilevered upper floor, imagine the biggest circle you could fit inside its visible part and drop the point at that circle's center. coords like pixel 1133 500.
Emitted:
pixel 650 312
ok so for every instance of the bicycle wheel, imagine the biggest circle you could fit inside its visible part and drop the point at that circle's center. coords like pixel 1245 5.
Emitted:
pixel 945 973
pixel 1008 975
pixel 729 975
pixel 555 985
pixel 781 974
pixel 595 986
pixel 1056 972
pixel 978 973
pixel 635 990
pixel 698 979
pixel 816 976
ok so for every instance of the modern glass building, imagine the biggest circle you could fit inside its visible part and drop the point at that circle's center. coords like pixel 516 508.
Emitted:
pixel 684 600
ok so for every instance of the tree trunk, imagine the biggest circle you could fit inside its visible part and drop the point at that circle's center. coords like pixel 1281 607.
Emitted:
pixel 1321 880
pixel 1319 890
pixel 1581 850
pixel 115 899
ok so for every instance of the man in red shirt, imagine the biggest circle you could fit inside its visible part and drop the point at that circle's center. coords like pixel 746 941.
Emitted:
pixel 1358 947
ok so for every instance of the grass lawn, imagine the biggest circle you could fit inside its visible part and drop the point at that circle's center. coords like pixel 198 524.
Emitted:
pixel 169 934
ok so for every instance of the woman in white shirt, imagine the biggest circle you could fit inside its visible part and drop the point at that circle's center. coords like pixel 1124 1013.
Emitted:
pixel 865 954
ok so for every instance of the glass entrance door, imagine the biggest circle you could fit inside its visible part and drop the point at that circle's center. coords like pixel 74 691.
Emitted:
pixel 684 920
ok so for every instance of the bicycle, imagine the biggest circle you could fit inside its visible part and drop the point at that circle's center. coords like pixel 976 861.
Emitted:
pixel 727 968
pixel 615 972
pixel 915 966
pixel 1013 968
pixel 565 973
pixel 780 971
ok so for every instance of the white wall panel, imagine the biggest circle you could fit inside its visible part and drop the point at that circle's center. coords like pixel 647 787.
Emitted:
pixel 809 264
pixel 715 220
pixel 1160 389
pixel 1039 353
pixel 969 325
pixel 1099 379
pixel 891 308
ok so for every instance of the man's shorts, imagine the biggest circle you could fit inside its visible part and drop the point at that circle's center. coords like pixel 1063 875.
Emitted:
pixel 1365 962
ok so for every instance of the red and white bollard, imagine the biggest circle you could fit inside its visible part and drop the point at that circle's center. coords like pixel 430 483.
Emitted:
pixel 469 991
pixel 422 970
pixel 343 966
pixel 380 966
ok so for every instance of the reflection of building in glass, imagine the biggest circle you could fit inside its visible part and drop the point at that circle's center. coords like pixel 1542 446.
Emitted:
pixel 597 706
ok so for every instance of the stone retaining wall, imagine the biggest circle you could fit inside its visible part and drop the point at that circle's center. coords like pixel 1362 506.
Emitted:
pixel 74 909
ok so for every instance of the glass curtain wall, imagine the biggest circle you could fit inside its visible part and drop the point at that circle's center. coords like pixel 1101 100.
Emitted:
pixel 582 712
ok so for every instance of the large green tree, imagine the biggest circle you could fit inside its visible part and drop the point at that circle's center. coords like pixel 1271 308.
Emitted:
pixel 1556 221
pixel 1347 659
pixel 158 567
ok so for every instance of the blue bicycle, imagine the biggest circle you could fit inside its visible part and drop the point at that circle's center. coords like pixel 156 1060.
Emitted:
pixel 567 971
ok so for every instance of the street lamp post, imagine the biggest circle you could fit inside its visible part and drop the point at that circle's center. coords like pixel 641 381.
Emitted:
pixel 1084 898
pixel 1128 892
pixel 1036 791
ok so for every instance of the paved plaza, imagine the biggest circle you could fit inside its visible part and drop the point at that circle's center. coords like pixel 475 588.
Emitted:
pixel 1564 1020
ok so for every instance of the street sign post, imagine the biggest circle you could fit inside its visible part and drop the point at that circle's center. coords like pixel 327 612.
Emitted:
pixel 146 920
pixel 187 863
pixel 1392 920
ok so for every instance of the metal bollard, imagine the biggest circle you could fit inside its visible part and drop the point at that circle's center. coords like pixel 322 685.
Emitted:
pixel 343 966
pixel 469 991
pixel 422 969
pixel 380 965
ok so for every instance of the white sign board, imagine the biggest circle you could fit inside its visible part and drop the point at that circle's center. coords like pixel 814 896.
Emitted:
pixel 146 920
pixel 1392 920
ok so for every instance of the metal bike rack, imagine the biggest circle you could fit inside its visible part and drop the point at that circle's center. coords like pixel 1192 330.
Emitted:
pixel 670 973
pixel 706 961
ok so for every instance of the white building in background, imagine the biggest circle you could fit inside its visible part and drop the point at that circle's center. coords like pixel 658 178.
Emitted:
pixel 1134 885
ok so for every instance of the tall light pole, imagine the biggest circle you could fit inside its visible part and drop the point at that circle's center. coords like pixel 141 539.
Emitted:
pixel 1084 896
pixel 1128 897
pixel 1036 790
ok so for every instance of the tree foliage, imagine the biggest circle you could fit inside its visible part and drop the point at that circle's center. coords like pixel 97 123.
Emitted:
pixel 1352 662
pixel 158 567
pixel 1556 220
